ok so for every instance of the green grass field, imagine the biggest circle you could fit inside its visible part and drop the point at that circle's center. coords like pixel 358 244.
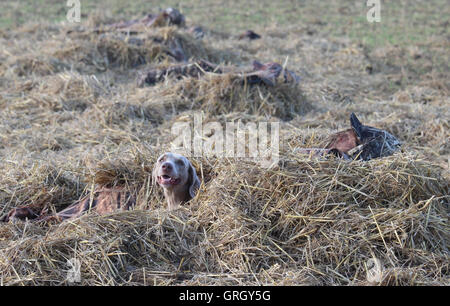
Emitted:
pixel 403 22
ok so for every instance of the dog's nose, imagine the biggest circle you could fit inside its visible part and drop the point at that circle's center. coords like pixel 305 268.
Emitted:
pixel 166 166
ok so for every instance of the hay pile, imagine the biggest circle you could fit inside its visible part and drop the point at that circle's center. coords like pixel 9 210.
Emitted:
pixel 220 94
pixel 304 222
pixel 91 51
pixel 73 117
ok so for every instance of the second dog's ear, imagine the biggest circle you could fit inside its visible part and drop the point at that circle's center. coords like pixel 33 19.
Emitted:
pixel 194 181
pixel 356 125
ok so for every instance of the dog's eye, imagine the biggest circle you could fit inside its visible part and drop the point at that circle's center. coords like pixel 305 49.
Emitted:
pixel 161 159
pixel 180 163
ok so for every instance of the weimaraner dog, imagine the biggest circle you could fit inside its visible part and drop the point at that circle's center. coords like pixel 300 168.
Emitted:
pixel 178 177
pixel 173 172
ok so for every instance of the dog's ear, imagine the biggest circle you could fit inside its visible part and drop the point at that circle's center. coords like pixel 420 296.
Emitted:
pixel 356 125
pixel 155 172
pixel 194 181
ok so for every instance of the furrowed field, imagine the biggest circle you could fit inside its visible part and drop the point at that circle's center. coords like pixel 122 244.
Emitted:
pixel 73 115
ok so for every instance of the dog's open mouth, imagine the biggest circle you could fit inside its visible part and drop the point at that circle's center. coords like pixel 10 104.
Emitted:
pixel 168 180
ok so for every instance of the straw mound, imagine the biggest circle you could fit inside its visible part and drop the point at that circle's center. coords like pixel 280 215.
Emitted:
pixel 33 65
pixel 123 172
pixel 308 212
pixel 66 91
pixel 115 49
pixel 93 51
pixel 220 94
pixel 418 94
pixel 108 50
pixel 319 221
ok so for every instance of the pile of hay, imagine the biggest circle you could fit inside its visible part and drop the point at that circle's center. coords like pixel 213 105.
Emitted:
pixel 92 51
pixel 303 222
pixel 216 94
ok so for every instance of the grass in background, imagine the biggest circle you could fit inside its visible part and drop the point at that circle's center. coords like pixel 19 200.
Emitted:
pixel 402 22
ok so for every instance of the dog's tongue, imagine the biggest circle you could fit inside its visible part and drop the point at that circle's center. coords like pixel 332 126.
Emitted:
pixel 165 179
